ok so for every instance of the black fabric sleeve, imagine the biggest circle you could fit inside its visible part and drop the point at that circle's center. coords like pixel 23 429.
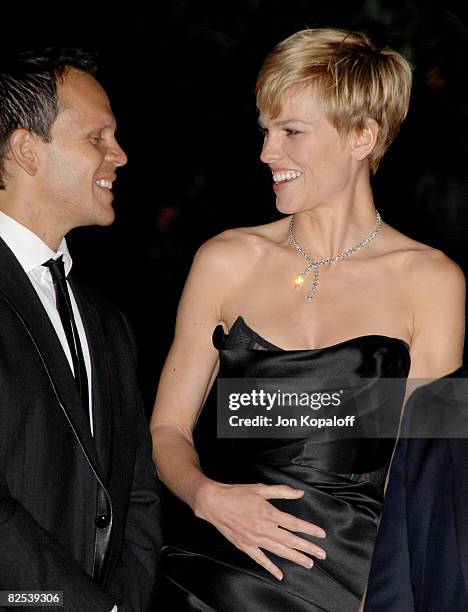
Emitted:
pixel 136 578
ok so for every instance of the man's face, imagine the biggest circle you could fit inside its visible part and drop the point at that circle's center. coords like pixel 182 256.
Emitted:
pixel 79 165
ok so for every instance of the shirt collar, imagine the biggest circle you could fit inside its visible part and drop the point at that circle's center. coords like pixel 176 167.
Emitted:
pixel 28 248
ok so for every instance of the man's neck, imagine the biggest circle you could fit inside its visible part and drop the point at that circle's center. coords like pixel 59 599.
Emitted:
pixel 33 220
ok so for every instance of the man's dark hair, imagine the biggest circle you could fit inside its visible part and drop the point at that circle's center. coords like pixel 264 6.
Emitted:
pixel 28 91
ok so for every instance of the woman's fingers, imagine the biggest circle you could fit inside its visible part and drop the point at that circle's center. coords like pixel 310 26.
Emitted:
pixel 257 555
pixel 243 514
pixel 287 553
pixel 278 492
pixel 292 541
pixel 292 523
pixel 288 521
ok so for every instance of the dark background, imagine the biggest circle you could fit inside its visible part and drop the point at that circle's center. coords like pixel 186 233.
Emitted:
pixel 181 79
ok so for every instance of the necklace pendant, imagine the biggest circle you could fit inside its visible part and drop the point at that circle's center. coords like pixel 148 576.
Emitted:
pixel 313 289
pixel 315 264
pixel 299 281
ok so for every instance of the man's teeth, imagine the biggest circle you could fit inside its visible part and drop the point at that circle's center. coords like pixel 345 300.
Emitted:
pixel 104 183
pixel 289 175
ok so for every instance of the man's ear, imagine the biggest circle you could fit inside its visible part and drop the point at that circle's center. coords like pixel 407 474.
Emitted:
pixel 23 150
pixel 363 141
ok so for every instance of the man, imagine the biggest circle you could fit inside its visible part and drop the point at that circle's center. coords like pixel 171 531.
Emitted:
pixel 420 559
pixel 79 499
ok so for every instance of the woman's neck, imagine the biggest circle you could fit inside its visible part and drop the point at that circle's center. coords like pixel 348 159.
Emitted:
pixel 329 229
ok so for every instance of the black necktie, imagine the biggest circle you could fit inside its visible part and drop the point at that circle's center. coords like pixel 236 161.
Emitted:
pixel 65 310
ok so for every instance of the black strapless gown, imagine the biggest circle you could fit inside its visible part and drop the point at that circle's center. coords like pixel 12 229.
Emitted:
pixel 343 482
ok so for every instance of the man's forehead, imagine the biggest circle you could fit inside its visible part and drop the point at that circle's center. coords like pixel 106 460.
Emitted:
pixel 87 118
pixel 83 99
pixel 74 78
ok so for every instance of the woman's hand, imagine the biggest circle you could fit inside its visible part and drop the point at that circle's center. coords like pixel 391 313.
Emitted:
pixel 245 517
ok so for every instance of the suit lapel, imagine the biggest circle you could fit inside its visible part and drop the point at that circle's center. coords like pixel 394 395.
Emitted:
pixel 100 375
pixel 17 289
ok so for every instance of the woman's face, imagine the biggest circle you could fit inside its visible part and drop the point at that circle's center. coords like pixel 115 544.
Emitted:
pixel 310 162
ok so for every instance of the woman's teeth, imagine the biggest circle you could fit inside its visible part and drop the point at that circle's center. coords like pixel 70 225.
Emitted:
pixel 288 175
pixel 105 184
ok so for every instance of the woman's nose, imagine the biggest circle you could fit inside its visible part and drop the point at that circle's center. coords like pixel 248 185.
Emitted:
pixel 270 150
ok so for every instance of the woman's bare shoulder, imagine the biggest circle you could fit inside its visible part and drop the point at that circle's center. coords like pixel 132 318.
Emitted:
pixel 423 266
pixel 241 245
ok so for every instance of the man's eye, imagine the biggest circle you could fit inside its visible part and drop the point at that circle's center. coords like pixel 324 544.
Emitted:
pixel 96 139
pixel 291 132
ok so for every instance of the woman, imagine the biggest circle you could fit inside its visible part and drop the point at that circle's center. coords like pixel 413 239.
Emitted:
pixel 290 524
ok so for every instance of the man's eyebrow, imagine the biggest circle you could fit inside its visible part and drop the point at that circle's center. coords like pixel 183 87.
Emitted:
pixel 106 126
pixel 111 123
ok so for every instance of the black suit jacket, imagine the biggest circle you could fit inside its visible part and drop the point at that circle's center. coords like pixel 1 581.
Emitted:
pixel 420 561
pixel 73 506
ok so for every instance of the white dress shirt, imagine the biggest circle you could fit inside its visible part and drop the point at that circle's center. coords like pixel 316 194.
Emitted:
pixel 32 252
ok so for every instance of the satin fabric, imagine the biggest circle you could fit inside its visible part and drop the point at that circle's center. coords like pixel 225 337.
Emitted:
pixel 343 482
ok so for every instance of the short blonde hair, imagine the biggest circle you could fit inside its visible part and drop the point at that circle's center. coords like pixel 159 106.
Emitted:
pixel 355 80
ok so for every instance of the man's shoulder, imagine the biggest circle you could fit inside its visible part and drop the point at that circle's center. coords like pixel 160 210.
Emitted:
pixel 111 317
pixel 91 294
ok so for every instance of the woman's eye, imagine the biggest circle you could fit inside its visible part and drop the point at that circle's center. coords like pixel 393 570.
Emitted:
pixel 263 131
pixel 291 132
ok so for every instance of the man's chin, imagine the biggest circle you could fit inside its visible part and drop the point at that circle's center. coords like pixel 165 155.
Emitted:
pixel 105 216
pixel 103 220
pixel 109 220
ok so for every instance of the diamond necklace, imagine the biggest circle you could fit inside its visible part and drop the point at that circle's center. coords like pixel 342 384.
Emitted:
pixel 314 265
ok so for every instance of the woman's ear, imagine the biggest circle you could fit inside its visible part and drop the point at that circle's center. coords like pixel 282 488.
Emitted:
pixel 363 141
pixel 23 150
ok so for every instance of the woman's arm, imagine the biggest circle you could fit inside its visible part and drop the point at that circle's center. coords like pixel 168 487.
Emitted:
pixel 240 512
pixel 189 371
pixel 438 299
pixel 437 287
